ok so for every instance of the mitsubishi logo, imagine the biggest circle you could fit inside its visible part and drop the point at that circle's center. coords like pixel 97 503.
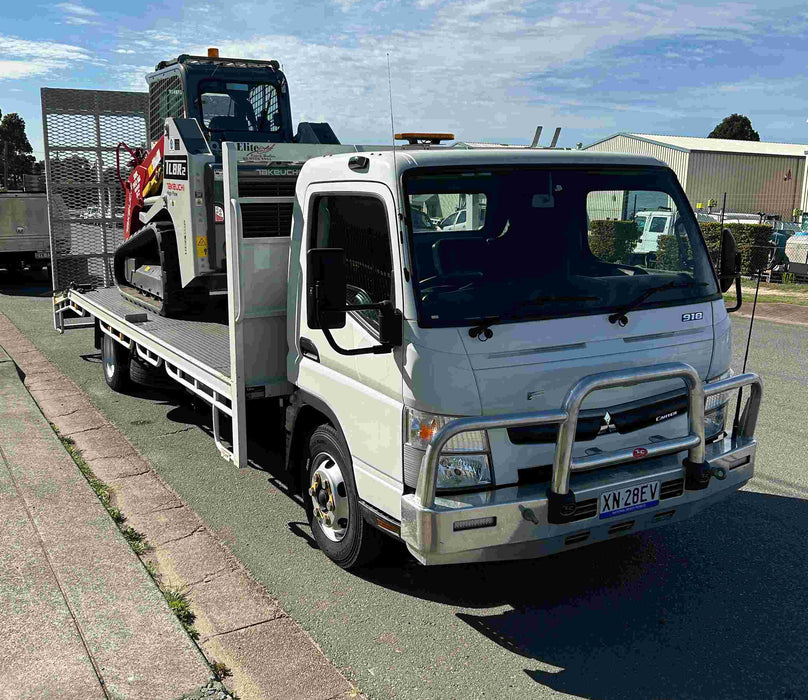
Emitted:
pixel 607 419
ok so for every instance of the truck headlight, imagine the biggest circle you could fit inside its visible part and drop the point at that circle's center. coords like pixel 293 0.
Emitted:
pixel 715 408
pixel 463 471
pixel 464 462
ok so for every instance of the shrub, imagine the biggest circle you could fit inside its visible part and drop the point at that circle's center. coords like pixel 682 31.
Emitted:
pixel 753 244
pixel 613 241
pixel 752 240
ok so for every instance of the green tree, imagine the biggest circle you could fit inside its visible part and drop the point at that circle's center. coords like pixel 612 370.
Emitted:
pixel 15 150
pixel 737 127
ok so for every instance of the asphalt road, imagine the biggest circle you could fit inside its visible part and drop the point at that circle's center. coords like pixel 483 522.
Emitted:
pixel 711 608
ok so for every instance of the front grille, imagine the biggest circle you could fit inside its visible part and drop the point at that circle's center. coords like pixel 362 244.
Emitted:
pixel 271 220
pixel 577 538
pixel 267 187
pixel 621 527
pixel 535 475
pixel 625 418
pixel 671 489
pixel 585 509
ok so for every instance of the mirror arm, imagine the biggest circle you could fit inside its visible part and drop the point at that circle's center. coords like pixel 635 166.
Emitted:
pixel 375 350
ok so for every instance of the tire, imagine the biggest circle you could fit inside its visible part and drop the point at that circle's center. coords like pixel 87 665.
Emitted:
pixel 145 374
pixel 347 540
pixel 115 363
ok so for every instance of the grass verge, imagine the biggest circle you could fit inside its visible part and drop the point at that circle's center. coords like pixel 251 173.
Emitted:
pixel 771 293
pixel 177 599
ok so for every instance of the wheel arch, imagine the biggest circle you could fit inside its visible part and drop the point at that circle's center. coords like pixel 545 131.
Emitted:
pixel 306 412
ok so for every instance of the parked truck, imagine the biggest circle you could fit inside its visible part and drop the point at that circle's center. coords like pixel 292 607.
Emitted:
pixel 499 392
pixel 23 230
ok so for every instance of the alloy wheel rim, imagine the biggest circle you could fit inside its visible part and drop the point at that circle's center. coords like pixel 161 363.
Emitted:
pixel 329 497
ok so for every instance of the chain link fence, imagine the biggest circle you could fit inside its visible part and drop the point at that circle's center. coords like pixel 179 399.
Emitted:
pixel 82 129
pixel 771 231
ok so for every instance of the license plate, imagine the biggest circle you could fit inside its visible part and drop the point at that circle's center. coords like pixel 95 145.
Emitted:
pixel 629 499
pixel 42 254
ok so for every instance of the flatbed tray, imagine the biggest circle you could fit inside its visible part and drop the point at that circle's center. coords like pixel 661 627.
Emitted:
pixel 203 341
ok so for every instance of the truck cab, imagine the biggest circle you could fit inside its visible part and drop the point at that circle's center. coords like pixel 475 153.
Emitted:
pixel 539 396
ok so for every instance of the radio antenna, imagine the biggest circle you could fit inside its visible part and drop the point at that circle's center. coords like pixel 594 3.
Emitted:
pixel 393 135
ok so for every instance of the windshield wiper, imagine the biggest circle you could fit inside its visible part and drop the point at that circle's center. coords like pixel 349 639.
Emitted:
pixel 483 328
pixel 619 316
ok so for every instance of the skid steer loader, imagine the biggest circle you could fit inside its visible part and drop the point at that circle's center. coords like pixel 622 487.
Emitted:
pixel 173 254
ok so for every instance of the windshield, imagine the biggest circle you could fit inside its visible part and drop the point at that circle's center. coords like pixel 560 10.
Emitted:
pixel 543 243
pixel 230 106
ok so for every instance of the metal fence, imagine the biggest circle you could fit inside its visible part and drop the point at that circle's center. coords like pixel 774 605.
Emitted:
pixel 85 203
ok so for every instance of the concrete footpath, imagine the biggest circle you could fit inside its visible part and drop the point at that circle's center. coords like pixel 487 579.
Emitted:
pixel 80 617
pixel 778 312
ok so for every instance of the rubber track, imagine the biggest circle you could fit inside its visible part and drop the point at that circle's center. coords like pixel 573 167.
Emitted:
pixel 176 300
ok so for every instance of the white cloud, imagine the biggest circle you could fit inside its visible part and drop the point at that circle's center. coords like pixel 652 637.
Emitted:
pixel 131 77
pixel 28 59
pixel 16 70
pixel 346 5
pixel 76 9
pixel 127 51
pixel 77 14
pixel 470 66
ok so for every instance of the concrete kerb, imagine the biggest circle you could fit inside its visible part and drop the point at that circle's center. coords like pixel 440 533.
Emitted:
pixel 233 611
pixel 116 637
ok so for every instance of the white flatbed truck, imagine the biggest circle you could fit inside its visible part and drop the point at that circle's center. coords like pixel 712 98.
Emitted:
pixel 482 394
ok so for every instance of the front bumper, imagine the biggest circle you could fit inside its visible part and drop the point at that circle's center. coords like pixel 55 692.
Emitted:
pixel 517 522
pixel 521 530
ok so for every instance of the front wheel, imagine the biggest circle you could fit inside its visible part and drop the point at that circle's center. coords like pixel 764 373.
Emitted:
pixel 332 503
pixel 115 360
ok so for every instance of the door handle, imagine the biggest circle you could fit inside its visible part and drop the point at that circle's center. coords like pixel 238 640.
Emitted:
pixel 309 349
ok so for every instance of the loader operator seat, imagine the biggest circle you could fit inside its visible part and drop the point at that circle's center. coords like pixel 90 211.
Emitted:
pixel 243 118
pixel 228 124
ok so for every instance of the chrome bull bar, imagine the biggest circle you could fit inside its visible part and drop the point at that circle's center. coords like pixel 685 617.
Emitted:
pixel 561 499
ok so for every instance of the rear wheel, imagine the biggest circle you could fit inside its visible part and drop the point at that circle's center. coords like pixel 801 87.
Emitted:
pixel 332 503
pixel 115 361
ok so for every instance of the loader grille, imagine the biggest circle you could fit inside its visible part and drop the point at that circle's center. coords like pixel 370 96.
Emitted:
pixel 269 220
pixel 267 187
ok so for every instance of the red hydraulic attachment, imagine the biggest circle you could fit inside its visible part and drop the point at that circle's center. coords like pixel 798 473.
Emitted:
pixel 144 181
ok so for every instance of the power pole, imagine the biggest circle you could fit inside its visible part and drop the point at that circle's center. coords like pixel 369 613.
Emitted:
pixel 5 163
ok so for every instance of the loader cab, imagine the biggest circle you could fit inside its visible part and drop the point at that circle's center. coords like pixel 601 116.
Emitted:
pixel 231 99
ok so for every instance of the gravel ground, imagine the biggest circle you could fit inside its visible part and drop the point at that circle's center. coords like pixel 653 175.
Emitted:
pixel 709 608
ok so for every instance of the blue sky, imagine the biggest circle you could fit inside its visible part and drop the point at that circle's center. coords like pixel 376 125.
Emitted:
pixel 487 70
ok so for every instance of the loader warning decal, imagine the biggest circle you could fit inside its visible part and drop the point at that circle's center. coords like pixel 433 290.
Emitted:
pixel 201 246
pixel 176 167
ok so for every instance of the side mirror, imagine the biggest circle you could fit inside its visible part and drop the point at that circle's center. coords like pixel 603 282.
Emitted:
pixel 729 260
pixel 325 288
pixel 391 325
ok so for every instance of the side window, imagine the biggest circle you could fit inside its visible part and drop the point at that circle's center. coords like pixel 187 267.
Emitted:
pixel 358 225
pixel 658 224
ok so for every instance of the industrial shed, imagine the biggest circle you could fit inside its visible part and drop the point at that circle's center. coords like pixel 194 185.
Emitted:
pixel 757 176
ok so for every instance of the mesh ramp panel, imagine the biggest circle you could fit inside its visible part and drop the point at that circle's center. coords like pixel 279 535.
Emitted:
pixel 85 202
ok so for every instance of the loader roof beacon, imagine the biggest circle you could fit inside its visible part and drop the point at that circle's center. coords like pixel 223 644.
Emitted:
pixel 471 353
pixel 173 254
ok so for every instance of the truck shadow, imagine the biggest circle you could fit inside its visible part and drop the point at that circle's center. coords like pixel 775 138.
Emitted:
pixel 674 613
pixel 25 283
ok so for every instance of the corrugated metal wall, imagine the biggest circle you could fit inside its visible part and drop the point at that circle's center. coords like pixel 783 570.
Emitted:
pixel 675 159
pixel 753 183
